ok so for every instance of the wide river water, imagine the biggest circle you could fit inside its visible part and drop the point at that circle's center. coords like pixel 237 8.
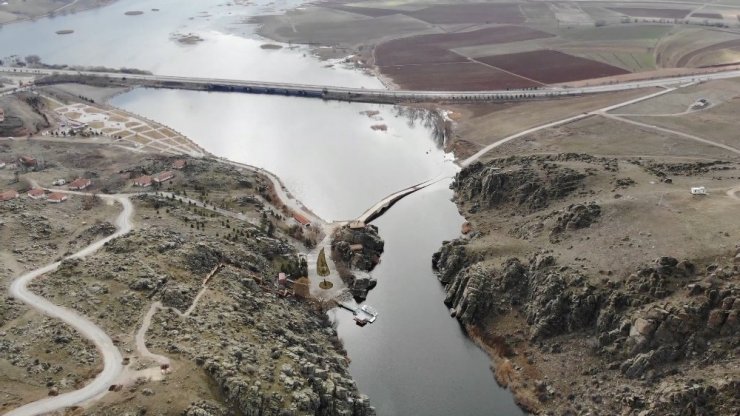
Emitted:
pixel 415 359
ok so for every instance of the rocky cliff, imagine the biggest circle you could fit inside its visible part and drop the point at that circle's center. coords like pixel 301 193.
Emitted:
pixel 656 339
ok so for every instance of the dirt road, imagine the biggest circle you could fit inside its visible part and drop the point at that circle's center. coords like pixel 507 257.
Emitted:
pixel 111 355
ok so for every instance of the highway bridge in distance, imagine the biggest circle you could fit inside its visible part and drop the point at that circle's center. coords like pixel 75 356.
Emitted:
pixel 50 76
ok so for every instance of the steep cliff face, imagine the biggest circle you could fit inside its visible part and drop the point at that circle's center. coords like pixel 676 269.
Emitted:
pixel 664 319
pixel 648 340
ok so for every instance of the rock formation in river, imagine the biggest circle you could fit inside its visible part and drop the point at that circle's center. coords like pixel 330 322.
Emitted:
pixel 356 250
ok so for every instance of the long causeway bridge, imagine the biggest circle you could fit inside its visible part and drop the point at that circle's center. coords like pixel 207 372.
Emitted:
pixel 49 76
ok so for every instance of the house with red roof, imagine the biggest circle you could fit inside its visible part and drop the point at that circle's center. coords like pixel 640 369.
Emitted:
pixel 8 195
pixel 80 184
pixel 56 197
pixel 143 181
pixel 302 220
pixel 164 176
pixel 179 164
pixel 36 193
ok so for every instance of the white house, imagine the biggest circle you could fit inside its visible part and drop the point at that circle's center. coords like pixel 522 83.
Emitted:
pixel 698 190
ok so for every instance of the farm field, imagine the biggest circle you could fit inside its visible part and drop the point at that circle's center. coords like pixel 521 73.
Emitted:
pixel 652 12
pixel 549 66
pixel 458 76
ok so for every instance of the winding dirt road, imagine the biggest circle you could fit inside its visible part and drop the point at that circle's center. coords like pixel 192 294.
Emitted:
pixel 111 355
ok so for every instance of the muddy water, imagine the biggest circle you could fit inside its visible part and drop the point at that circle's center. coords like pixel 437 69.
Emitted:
pixel 414 360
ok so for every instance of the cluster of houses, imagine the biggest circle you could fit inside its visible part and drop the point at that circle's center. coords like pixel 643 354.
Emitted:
pixel 79 184
pixel 146 181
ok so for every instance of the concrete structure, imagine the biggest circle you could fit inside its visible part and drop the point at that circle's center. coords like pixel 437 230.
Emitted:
pixel 2 165
pixel 80 184
pixel 143 181
pixel 179 164
pixel 56 197
pixel 2 115
pixel 37 193
pixel 698 190
pixel 59 182
pixel 357 225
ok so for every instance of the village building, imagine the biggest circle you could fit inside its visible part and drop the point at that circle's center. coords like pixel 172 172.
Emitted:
pixel 80 184
pixel 301 288
pixel 28 161
pixel 164 176
pixel 301 220
pixel 56 197
pixel 282 279
pixel 143 181
pixel 8 195
pixel 36 193
pixel 179 164
pixel 2 115
pixel 2 165
pixel 699 190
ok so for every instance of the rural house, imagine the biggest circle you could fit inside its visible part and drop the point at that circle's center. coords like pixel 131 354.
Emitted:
pixel 143 181
pixel 301 220
pixel 8 195
pixel 56 197
pixel 28 161
pixel 164 176
pixel 80 184
pixel 179 164
pixel 37 193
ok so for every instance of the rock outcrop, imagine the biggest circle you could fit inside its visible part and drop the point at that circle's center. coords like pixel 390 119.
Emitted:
pixel 356 250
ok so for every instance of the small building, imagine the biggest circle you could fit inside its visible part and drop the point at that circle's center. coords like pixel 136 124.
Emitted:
pixel 301 288
pixel 179 164
pixel 698 190
pixel 2 165
pixel 37 193
pixel 2 115
pixel 143 181
pixel 80 184
pixel 282 279
pixel 301 219
pixel 59 182
pixel 8 195
pixel 56 197
pixel 357 225
pixel 356 247
pixel 28 161
pixel 164 176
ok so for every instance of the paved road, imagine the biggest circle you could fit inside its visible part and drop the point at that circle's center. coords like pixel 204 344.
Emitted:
pixel 604 110
pixel 359 94
pixel 111 355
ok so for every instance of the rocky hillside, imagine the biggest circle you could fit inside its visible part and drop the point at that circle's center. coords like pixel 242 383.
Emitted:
pixel 656 338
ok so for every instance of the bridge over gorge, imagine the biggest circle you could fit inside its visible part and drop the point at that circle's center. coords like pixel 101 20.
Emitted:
pixel 51 76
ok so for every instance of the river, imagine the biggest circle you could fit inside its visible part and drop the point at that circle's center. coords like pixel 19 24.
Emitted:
pixel 415 359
